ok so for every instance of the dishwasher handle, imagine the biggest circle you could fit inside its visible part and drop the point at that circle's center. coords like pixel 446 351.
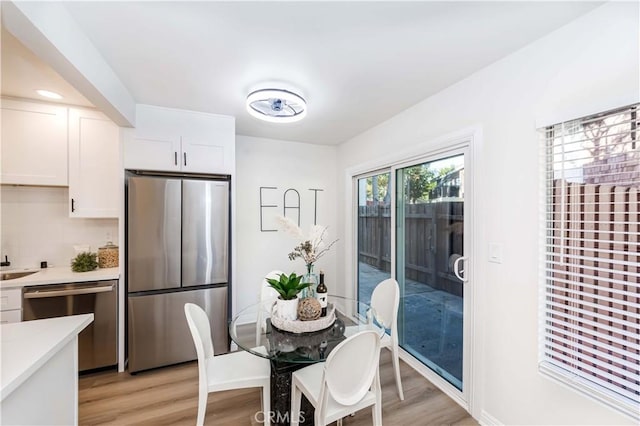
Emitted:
pixel 37 294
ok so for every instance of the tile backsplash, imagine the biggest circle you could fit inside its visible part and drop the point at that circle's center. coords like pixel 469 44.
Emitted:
pixel 36 226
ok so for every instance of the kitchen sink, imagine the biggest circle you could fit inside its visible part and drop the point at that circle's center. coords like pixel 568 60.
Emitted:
pixel 13 275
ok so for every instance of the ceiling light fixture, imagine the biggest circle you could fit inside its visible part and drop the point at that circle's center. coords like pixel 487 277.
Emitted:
pixel 48 94
pixel 276 105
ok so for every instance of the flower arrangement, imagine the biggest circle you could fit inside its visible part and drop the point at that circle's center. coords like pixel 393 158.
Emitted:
pixel 311 248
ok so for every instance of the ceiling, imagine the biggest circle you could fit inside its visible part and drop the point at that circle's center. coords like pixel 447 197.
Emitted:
pixel 356 63
pixel 23 73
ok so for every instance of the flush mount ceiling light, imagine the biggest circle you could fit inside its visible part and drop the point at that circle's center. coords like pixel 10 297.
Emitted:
pixel 276 105
pixel 48 94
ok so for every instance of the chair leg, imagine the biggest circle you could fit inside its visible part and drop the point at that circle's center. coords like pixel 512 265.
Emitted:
pixel 296 400
pixel 377 406
pixel 396 366
pixel 266 403
pixel 377 414
pixel 202 406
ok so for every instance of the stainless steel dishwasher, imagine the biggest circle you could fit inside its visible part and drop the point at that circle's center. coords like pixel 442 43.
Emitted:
pixel 97 343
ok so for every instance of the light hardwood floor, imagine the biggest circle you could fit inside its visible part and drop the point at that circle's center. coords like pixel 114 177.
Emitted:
pixel 169 396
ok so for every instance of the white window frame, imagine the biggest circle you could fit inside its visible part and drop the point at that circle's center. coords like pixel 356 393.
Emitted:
pixel 547 366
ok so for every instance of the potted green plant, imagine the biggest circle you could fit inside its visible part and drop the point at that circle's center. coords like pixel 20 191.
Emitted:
pixel 288 287
pixel 84 262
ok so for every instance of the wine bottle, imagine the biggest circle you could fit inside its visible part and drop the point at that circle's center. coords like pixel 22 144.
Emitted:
pixel 321 294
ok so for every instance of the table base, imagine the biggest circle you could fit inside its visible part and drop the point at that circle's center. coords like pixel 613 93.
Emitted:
pixel 281 395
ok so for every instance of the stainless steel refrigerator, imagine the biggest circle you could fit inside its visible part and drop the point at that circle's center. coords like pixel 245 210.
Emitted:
pixel 177 238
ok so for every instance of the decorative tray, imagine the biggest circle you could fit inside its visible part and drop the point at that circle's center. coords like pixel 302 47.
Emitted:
pixel 304 326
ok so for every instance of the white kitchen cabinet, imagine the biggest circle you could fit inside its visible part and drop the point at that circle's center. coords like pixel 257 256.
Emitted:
pixel 94 157
pixel 182 141
pixel 34 143
pixel 10 305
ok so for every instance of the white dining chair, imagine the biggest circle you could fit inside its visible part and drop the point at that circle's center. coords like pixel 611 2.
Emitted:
pixel 385 301
pixel 235 370
pixel 267 296
pixel 348 381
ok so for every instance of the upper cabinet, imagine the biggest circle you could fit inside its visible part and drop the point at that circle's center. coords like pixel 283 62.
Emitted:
pixel 53 145
pixel 168 139
pixel 34 143
pixel 94 161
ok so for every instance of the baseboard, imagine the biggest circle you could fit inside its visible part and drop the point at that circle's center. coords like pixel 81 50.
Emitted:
pixel 487 419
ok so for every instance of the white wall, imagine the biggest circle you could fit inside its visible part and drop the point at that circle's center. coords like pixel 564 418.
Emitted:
pixel 266 162
pixel 589 65
pixel 36 226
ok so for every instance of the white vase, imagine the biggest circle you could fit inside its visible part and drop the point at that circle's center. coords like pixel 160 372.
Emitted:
pixel 287 309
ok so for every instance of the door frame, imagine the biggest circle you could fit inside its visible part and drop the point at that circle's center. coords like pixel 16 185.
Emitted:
pixel 468 142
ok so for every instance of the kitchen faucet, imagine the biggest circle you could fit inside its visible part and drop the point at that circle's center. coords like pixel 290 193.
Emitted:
pixel 6 261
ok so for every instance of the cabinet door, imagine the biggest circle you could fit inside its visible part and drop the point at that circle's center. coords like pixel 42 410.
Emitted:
pixel 94 157
pixel 208 143
pixel 7 317
pixel 178 140
pixel 11 299
pixel 200 156
pixel 155 142
pixel 151 153
pixel 34 143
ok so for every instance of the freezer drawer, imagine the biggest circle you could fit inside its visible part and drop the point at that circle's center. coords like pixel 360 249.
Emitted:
pixel 158 333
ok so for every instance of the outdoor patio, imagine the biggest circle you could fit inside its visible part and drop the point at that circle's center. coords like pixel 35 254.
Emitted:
pixel 429 321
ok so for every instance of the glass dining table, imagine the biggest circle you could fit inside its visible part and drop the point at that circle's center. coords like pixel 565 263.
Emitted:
pixel 252 330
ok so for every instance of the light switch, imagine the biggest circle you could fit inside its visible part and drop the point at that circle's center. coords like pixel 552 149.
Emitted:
pixel 495 252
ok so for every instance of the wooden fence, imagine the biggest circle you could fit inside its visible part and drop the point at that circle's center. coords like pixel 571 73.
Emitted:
pixel 433 232
pixel 593 279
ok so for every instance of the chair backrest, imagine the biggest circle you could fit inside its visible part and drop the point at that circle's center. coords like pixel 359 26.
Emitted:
pixel 267 295
pixel 200 330
pixel 352 366
pixel 385 301
pixel 266 291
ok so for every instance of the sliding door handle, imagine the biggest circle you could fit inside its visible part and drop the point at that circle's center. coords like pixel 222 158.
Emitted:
pixel 458 269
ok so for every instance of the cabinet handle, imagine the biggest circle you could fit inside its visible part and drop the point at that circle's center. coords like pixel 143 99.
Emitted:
pixel 175 158
pixel 73 205
pixel 185 158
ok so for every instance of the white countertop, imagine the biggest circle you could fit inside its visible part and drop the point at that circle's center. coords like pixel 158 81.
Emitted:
pixel 57 275
pixel 26 346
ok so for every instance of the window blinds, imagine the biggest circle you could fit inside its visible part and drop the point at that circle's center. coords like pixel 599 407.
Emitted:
pixel 591 297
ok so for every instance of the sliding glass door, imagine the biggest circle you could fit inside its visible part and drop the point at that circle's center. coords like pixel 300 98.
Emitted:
pixel 429 250
pixel 411 220
pixel 374 233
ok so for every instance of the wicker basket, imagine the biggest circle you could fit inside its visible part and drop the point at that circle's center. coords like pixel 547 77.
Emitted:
pixel 304 326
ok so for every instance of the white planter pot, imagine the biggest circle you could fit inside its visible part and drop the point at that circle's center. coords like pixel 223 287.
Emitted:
pixel 287 309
